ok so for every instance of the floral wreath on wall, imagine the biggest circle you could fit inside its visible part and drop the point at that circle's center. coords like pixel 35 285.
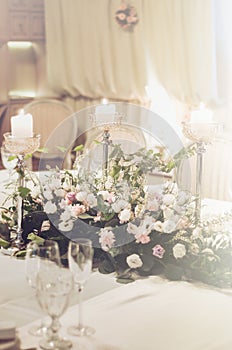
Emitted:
pixel 126 16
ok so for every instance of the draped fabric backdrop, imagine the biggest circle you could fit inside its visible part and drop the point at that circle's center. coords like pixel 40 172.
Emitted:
pixel 178 44
pixel 90 57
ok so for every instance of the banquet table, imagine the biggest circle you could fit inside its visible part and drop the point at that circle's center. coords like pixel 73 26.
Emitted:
pixel 150 313
pixel 17 299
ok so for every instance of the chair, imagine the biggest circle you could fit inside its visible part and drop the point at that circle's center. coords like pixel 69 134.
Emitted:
pixel 48 114
pixel 130 138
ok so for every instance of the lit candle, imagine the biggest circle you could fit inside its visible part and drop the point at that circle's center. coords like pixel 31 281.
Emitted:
pixel 202 115
pixel 22 125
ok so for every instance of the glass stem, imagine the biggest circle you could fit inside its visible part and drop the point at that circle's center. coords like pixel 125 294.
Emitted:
pixel 80 318
pixel 54 329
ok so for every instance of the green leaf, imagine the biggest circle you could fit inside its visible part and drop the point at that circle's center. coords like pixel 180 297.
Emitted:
pixel 37 239
pixel 97 142
pixel 100 203
pixel 11 158
pixel 42 150
pixel 28 156
pixel 20 253
pixel 174 272
pixel 23 191
pixel 4 244
pixel 78 148
pixel 106 267
pixel 125 280
pixel 85 216
pixel 148 262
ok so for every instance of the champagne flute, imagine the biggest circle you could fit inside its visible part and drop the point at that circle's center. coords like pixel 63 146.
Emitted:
pixel 34 256
pixel 80 256
pixel 53 288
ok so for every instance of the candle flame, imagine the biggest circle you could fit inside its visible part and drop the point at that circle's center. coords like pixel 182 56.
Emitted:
pixel 21 111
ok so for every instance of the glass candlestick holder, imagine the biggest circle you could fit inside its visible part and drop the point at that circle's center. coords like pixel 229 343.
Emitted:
pixel 106 122
pixel 202 134
pixel 20 146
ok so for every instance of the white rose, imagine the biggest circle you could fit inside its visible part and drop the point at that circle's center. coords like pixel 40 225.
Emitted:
pixel 91 200
pixel 152 205
pixel 109 182
pixel 59 192
pixel 169 226
pixel 56 183
pixel 62 204
pixel 66 215
pixel 168 199
pixel 66 186
pixel 50 208
pixel 179 250
pixel 81 196
pixel 48 194
pixel 35 192
pixel 197 232
pixel 119 205
pixel 134 261
pixel 65 226
pixel 195 248
pixel 168 212
pixel 182 198
pixel 104 194
pixel 158 226
pixel 124 215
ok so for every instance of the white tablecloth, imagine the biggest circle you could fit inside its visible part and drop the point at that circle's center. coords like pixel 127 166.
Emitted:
pixel 17 299
pixel 153 314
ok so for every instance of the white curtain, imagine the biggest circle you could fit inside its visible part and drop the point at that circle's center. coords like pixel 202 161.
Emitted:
pixel 181 46
pixel 90 56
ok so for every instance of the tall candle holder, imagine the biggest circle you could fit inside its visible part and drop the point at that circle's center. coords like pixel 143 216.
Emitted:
pixel 20 146
pixel 201 134
pixel 106 123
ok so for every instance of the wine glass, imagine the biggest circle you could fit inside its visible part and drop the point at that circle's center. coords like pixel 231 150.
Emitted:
pixel 53 288
pixel 9 160
pixel 35 254
pixel 80 256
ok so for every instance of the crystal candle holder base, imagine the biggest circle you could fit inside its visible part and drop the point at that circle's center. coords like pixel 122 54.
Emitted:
pixel 20 146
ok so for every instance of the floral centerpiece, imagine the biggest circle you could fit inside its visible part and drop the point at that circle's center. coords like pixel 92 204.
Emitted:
pixel 136 229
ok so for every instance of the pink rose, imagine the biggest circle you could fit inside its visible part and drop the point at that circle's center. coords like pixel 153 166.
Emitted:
pixel 121 16
pixel 106 239
pixel 142 238
pixel 131 19
pixel 70 197
pixel 98 217
pixel 158 251
pixel 78 209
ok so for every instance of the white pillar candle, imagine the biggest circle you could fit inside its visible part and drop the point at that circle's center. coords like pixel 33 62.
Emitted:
pixel 22 125
pixel 202 115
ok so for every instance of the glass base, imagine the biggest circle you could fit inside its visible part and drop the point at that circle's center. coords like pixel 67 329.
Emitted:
pixel 58 344
pixel 38 331
pixel 81 331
